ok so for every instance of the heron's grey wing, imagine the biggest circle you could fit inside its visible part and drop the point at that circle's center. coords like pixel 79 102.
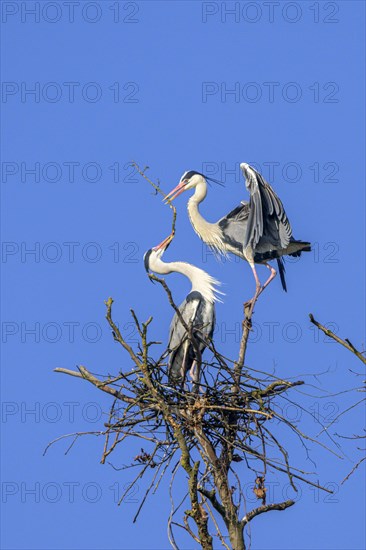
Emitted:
pixel 177 333
pixel 234 226
pixel 205 323
pixel 267 218
pixel 204 329
pixel 181 351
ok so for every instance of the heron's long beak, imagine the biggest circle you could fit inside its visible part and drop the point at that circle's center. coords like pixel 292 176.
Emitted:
pixel 165 243
pixel 174 193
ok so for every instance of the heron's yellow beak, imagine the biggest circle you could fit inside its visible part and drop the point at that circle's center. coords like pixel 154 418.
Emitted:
pixel 165 243
pixel 174 193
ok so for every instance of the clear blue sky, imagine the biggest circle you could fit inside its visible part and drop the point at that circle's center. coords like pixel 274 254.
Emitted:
pixel 177 86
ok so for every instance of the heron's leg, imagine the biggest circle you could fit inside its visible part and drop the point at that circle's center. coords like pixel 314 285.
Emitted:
pixel 195 377
pixel 257 281
pixel 183 368
pixel 193 371
pixel 258 287
pixel 271 277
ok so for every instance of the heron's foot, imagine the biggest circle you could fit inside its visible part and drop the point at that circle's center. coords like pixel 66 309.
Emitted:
pixel 248 308
pixel 257 293
pixel 249 305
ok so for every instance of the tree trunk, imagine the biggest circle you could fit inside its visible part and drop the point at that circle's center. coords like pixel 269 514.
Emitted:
pixel 236 535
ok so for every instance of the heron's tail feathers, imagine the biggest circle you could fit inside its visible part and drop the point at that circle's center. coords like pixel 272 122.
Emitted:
pixel 282 271
pixel 295 248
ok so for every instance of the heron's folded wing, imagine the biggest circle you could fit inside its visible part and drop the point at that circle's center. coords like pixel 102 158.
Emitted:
pixel 190 311
pixel 178 337
pixel 267 215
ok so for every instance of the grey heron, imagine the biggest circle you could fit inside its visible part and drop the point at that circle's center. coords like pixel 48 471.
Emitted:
pixel 257 231
pixel 197 311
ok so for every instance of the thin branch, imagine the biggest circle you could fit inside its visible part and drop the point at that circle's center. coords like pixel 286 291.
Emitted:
pixel 84 373
pixel 266 508
pixel 346 343
pixel 158 189
pixel 353 469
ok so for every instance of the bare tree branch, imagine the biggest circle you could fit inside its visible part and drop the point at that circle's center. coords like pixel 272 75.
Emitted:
pixel 346 343
pixel 266 508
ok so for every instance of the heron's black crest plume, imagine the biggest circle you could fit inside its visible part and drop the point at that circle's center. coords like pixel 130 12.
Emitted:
pixel 214 180
pixel 188 175
pixel 146 262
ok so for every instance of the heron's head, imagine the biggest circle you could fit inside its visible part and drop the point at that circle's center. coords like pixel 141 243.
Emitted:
pixel 189 180
pixel 153 256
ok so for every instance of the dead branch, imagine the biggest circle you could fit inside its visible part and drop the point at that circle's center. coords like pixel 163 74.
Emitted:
pixel 158 189
pixel 266 508
pixel 345 343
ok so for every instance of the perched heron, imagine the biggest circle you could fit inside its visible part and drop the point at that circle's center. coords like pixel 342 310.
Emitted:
pixel 256 231
pixel 197 311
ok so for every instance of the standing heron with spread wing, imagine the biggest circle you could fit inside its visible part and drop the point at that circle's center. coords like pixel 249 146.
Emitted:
pixel 197 311
pixel 257 231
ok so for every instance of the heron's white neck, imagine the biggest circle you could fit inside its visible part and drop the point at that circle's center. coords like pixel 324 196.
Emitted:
pixel 201 281
pixel 210 233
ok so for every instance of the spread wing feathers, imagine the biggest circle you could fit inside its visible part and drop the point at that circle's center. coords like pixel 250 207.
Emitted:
pixel 199 314
pixel 239 214
pixel 267 217
pixel 234 225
